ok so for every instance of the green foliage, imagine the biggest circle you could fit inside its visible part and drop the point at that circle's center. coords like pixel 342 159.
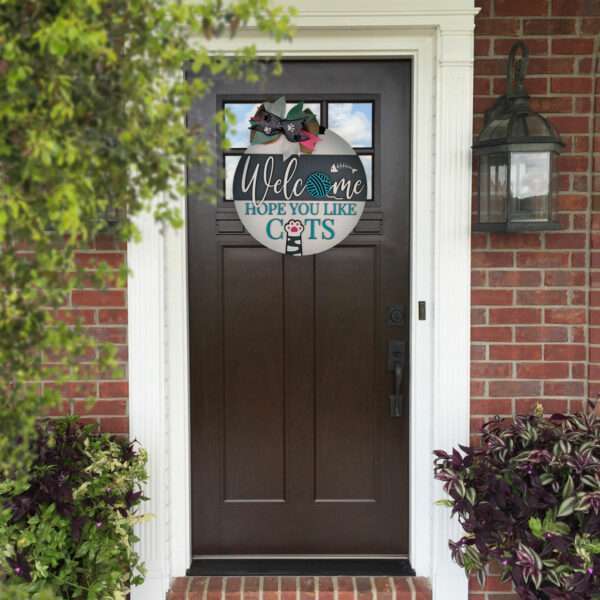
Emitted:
pixel 528 498
pixel 92 123
pixel 549 526
pixel 19 592
pixel 68 528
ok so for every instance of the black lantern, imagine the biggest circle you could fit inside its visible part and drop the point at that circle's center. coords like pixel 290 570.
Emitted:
pixel 517 151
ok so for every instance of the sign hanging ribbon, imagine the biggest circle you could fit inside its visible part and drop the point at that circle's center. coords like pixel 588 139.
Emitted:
pixel 298 126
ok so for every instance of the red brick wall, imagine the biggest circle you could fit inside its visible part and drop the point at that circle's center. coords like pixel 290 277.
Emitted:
pixel 104 313
pixel 536 314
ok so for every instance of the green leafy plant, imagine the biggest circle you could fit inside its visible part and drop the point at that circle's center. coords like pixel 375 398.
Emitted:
pixel 92 125
pixel 529 499
pixel 68 527
pixel 93 132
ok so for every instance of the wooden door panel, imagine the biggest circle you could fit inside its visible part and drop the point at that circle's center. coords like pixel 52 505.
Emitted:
pixel 253 375
pixel 345 423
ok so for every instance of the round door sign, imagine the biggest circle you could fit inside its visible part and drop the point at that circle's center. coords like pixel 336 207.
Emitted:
pixel 299 189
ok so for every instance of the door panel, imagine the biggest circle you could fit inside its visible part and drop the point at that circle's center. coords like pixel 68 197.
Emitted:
pixel 345 375
pixel 253 360
pixel 294 450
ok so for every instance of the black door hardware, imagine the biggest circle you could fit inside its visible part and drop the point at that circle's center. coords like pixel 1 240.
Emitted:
pixel 394 315
pixel 396 355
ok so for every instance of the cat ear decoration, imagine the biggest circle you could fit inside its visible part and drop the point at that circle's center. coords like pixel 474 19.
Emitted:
pixel 298 126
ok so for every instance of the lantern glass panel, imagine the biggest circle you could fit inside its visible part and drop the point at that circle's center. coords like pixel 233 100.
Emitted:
pixel 493 169
pixel 530 186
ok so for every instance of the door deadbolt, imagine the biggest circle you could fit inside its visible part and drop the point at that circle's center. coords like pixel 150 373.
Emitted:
pixel 395 315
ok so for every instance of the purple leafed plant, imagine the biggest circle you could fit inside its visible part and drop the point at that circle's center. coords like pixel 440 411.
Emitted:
pixel 529 498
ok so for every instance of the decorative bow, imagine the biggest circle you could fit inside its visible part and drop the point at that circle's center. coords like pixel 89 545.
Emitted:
pixel 298 126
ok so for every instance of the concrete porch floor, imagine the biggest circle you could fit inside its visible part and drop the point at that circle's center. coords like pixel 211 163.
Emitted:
pixel 299 588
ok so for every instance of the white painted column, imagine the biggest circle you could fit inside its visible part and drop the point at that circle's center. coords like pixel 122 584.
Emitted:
pixel 452 284
pixel 147 402
pixel 178 398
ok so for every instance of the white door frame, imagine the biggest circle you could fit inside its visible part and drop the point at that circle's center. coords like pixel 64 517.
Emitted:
pixel 438 36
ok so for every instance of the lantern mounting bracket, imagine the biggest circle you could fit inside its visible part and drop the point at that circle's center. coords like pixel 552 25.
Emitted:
pixel 516 70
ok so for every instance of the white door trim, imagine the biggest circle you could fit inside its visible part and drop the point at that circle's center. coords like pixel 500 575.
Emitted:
pixel 439 40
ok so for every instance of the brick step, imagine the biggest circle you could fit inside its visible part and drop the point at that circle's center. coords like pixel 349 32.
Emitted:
pixel 300 588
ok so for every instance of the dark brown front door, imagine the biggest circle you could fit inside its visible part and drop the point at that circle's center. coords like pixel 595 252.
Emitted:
pixel 294 447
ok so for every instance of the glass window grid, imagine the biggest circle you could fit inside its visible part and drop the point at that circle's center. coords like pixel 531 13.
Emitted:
pixel 360 150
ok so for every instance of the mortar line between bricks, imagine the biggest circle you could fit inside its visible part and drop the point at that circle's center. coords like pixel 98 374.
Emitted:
pixel 187 588
pixel 317 585
pixel 335 588
pixel 278 588
pixel 205 590
pixel 393 586
pixel 354 588
pixel 297 588
pixel 242 587
pixel 411 585
pixel 260 587
pixel 224 588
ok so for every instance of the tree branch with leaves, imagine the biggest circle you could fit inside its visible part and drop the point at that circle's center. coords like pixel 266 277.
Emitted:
pixel 92 124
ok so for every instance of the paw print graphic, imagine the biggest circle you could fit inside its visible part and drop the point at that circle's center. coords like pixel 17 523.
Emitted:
pixel 294 227
pixel 293 240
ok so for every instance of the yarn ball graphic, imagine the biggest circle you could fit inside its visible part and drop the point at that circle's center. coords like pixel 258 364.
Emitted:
pixel 318 184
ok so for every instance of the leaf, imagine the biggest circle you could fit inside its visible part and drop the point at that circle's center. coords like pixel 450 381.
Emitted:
pixel 535 525
pixel 460 488
pixel 445 502
pixel 471 495
pixel 560 528
pixel 567 507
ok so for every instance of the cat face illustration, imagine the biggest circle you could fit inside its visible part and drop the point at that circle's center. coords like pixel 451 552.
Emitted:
pixel 294 227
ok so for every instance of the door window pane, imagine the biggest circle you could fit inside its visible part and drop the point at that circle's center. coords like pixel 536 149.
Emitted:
pixel 353 121
pixel 231 163
pixel 367 161
pixel 239 134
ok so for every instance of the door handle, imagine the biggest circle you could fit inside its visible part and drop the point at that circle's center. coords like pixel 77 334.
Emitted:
pixel 396 352
pixel 396 399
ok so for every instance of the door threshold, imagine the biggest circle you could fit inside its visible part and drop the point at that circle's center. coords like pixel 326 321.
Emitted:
pixel 237 567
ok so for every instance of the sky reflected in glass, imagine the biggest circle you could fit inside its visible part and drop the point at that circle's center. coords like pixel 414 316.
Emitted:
pixel 353 121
